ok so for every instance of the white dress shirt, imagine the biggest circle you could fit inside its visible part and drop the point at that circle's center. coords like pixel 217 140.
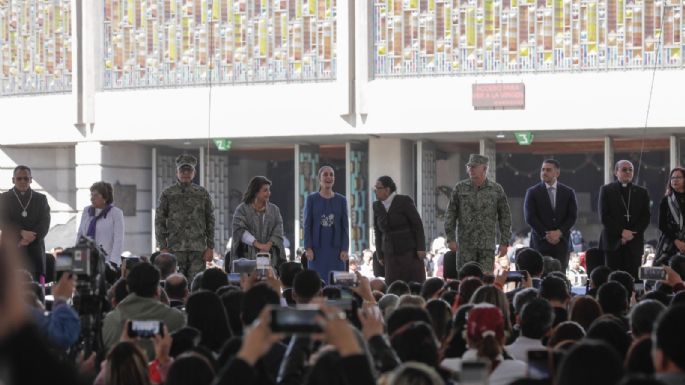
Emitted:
pixel 388 202
pixel 520 347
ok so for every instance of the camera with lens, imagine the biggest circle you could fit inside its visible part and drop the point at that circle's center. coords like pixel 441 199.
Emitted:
pixel 76 260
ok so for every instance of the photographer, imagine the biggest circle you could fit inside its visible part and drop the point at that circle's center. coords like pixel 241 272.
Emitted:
pixel 61 326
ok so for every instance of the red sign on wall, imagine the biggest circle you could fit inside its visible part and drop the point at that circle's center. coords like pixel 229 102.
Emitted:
pixel 498 96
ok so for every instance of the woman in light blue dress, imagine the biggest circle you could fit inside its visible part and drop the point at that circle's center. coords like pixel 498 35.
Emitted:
pixel 326 234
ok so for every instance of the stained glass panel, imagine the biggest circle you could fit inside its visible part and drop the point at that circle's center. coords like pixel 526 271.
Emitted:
pixel 494 36
pixel 35 46
pixel 170 42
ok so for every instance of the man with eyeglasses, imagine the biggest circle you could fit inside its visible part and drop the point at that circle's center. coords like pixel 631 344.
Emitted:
pixel 184 221
pixel 477 213
pixel 624 212
pixel 26 212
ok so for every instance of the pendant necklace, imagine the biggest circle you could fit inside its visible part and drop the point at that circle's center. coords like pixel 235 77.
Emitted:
pixel 24 213
pixel 627 206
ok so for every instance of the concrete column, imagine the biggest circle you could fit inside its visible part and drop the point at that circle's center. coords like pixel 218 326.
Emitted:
pixel 487 148
pixel 674 151
pixel 87 53
pixel 345 52
pixel 608 159
pixel 89 169
pixel 363 48
pixel 392 157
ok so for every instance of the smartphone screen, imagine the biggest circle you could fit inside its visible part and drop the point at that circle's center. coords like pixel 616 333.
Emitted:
pixel 263 265
pixel 343 278
pixel 538 365
pixel 234 278
pixel 295 320
pixel 474 372
pixel 144 329
pixel 654 273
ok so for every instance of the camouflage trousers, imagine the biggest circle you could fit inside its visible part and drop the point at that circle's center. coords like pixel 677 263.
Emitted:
pixel 484 257
pixel 190 263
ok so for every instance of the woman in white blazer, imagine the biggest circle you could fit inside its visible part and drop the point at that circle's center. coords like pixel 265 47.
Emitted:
pixel 103 222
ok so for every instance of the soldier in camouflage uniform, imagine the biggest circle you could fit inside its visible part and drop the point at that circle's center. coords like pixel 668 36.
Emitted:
pixel 184 222
pixel 478 208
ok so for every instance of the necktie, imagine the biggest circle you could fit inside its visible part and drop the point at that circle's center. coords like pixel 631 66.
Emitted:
pixel 550 191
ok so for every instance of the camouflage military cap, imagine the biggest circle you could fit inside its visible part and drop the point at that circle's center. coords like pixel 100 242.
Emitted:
pixel 186 160
pixel 476 159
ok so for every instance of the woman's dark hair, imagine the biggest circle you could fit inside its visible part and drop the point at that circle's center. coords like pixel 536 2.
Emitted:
pixel 590 362
pixel 457 345
pixel 441 318
pixel 610 329
pixel 639 357
pixel 584 309
pixel 207 314
pixel 232 301
pixel 431 286
pixel 105 190
pixel 566 331
pixel 467 287
pixel 183 340
pixel 127 365
pixel 387 181
pixel 416 341
pixel 669 190
pixel 253 188
pixel 190 369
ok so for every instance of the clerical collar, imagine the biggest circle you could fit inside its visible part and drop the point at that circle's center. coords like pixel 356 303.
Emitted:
pixel 22 193
pixel 625 185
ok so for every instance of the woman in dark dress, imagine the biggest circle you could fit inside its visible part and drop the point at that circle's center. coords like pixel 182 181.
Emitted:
pixel 672 240
pixel 398 229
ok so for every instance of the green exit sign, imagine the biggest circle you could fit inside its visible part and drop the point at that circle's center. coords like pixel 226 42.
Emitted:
pixel 222 144
pixel 524 138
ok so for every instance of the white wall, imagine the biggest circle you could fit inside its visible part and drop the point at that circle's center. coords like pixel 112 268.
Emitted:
pixel 562 101
pixel 127 164
pixel 38 119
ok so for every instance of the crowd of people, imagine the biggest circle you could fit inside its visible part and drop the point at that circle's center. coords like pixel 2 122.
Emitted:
pixel 486 313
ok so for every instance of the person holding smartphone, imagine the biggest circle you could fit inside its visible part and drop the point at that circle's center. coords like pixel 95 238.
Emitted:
pixel 258 225
pixel 326 237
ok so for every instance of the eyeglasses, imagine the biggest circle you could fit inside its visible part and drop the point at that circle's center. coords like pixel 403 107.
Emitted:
pixel 677 178
pixel 22 178
pixel 379 187
pixel 627 169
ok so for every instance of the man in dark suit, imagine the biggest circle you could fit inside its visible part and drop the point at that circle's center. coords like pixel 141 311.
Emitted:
pixel 26 212
pixel 550 209
pixel 398 229
pixel 624 211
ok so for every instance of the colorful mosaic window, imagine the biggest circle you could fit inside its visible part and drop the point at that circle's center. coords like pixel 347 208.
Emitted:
pixel 170 42
pixel 417 37
pixel 35 46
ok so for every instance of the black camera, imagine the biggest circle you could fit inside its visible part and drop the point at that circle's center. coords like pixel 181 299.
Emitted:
pixel 76 260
